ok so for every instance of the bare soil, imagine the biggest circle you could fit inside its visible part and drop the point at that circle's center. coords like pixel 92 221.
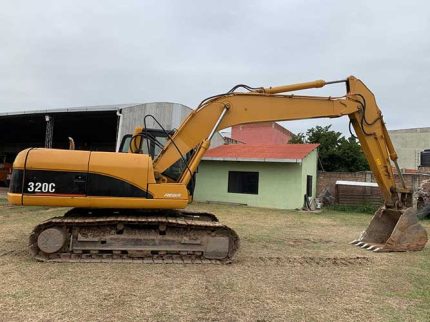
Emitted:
pixel 291 266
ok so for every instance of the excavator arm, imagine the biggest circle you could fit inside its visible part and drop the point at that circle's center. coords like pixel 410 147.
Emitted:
pixel 393 228
pixel 268 105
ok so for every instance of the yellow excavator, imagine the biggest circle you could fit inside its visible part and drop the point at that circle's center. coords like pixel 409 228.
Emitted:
pixel 126 206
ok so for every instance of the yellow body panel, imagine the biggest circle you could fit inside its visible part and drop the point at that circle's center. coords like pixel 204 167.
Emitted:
pixel 67 160
pixel 97 202
pixel 134 170
pixel 169 191
pixel 129 167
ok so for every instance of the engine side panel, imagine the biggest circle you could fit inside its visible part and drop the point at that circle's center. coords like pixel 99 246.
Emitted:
pixel 68 178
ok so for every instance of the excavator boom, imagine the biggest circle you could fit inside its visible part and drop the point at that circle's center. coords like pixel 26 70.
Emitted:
pixel 392 228
pixel 272 104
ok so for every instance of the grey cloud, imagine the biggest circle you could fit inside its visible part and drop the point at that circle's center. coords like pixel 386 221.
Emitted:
pixel 72 53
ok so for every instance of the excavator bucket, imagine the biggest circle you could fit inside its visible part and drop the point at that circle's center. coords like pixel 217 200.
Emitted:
pixel 393 231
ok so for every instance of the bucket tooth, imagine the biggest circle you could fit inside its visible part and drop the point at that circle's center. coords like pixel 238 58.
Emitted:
pixel 354 242
pixel 364 246
pixel 359 244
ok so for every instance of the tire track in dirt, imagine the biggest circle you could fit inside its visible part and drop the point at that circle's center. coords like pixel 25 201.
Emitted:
pixel 302 241
pixel 315 261
pixel 18 252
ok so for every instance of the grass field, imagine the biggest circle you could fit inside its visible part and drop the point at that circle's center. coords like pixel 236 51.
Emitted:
pixel 291 266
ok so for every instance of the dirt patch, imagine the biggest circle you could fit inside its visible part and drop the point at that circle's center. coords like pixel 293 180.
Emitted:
pixel 291 266
pixel 16 252
pixel 302 241
pixel 3 193
pixel 308 261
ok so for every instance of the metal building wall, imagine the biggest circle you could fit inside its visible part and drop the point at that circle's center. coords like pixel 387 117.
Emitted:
pixel 170 115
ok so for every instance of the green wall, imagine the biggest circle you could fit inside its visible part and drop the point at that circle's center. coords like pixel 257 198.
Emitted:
pixel 281 185
pixel 309 167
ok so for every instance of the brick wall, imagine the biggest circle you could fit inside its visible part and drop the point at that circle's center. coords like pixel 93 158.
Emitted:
pixel 328 179
pixel 358 195
pixel 261 133
pixel 423 169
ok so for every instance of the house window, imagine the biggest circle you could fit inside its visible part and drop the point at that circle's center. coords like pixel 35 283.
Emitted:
pixel 243 182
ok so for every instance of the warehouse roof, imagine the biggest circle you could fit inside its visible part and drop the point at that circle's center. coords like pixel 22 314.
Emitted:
pixel 96 108
pixel 293 153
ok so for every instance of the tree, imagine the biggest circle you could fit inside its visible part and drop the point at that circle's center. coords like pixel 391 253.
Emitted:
pixel 299 138
pixel 336 153
pixel 328 149
pixel 352 156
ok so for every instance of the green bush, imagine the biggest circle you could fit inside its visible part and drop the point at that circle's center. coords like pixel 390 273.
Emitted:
pixel 365 208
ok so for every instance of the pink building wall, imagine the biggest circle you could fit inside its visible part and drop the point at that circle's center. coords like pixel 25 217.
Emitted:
pixel 261 133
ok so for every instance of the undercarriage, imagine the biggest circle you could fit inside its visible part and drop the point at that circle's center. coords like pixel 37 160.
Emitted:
pixel 164 236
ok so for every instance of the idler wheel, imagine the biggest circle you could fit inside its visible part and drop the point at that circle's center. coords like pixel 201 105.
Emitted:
pixel 51 240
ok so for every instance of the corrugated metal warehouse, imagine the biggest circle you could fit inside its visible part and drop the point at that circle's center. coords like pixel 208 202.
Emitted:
pixel 92 127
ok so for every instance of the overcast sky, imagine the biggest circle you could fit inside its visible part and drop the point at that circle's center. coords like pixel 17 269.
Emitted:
pixel 73 53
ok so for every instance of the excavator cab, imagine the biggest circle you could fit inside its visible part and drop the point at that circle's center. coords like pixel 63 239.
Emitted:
pixel 151 142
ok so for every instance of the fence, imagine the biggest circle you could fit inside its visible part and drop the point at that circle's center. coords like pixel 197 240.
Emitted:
pixel 357 193
pixel 327 182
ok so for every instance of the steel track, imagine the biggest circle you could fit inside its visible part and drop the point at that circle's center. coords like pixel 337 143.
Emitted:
pixel 191 222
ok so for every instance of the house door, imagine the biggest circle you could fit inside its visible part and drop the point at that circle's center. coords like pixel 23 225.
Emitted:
pixel 309 186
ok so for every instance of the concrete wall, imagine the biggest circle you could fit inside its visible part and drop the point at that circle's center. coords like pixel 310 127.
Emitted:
pixel 281 185
pixel 327 180
pixel 409 143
